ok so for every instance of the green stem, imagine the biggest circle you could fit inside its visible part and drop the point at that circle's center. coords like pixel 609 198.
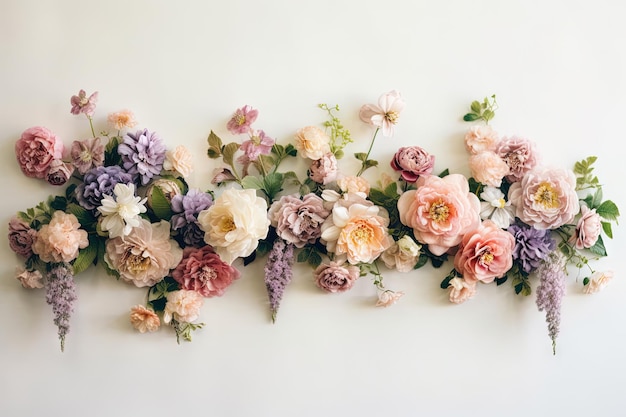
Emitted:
pixel 363 166
pixel 93 132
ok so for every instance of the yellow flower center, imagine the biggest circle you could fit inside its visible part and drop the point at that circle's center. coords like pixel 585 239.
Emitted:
pixel 546 196
pixel 439 211
pixel 392 116
pixel 240 119
pixel 207 273
pixel 256 139
pixel 136 263
pixel 502 203
pixel 486 258
pixel 227 225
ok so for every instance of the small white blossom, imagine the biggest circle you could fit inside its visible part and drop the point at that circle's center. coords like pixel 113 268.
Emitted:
pixel 121 213
pixel 494 207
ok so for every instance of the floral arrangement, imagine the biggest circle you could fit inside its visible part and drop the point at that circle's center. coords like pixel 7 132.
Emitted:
pixel 127 207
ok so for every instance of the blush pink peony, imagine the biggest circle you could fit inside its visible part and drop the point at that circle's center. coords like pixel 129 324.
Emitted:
pixel 520 155
pixel 480 139
pixel 60 240
pixel 488 168
pixel 36 149
pixel 335 277
pixel 182 306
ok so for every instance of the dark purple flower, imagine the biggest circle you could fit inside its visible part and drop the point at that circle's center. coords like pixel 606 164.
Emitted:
pixel 278 273
pixel 186 208
pixel 61 294
pixel 99 182
pixel 550 293
pixel 142 155
pixel 531 245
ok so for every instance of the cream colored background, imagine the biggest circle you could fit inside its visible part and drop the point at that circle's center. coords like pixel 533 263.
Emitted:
pixel 558 70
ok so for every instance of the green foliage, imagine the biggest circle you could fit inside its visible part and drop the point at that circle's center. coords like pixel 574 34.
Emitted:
pixel 86 256
pixel 339 135
pixel 311 255
pixel 160 205
pixel 520 280
pixel 215 146
pixel 583 171
pixel 111 157
pixel 484 110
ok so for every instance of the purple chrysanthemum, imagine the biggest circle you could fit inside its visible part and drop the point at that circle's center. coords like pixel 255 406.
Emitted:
pixel 278 273
pixel 531 245
pixel 98 182
pixel 186 208
pixel 142 155
pixel 550 292
pixel 61 294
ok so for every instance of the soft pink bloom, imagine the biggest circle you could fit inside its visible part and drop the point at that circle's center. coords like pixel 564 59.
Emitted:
pixel 21 237
pixel 124 119
pixel 241 120
pixel 384 115
pixel 334 277
pixel 440 211
pixel 87 154
pixel 222 175
pixel 312 142
pixel 519 154
pixel 83 104
pixel 324 170
pixel 59 172
pixel 485 253
pixel 480 138
pixel 402 255
pixel 298 221
pixel 179 160
pixel 258 144
pixel 597 281
pixel 143 319
pixel 353 184
pixel 545 198
pixel 411 162
pixel 202 270
pixel 488 168
pixel 182 306
pixel 588 228
pixel 146 255
pixel 29 279
pixel 60 240
pixel 461 290
pixel 388 298
pixel 35 151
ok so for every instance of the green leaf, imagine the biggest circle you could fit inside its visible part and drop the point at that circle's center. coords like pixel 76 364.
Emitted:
pixel 606 227
pixel 86 256
pixel 370 163
pixel 476 107
pixel 215 146
pixel 291 150
pixel 422 260
pixel 339 154
pixel 228 153
pixel 291 178
pixel 252 182
pixel 444 173
pixel 273 184
pixel 111 157
pixel 608 210
pixel 500 281
pixel 392 190
pixel 471 117
pixel 599 248
pixel 361 156
pixel 488 115
pixel 160 206
pixel 586 281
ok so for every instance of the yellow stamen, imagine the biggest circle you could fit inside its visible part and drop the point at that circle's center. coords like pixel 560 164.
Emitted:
pixel 439 211
pixel 392 116
pixel 546 196
pixel 227 225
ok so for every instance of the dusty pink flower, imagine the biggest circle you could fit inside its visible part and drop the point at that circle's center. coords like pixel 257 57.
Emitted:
pixel 298 221
pixel 182 306
pixel 35 151
pixel 258 144
pixel 143 319
pixel 480 138
pixel 545 198
pixel 519 154
pixel 488 168
pixel 21 237
pixel 597 281
pixel 124 119
pixel 87 154
pixel 202 270
pixel 59 172
pixel 388 298
pixel 29 279
pixel 222 175
pixel 384 115
pixel 461 290
pixel 440 211
pixel 241 120
pixel 83 104
pixel 60 240
pixel 334 277
pixel 312 142
pixel 353 184
pixel 411 162
pixel 179 160
pixel 324 170
pixel 485 253
pixel 588 228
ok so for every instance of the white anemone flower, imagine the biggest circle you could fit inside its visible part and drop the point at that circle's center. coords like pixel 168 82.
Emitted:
pixel 121 213
pixel 494 207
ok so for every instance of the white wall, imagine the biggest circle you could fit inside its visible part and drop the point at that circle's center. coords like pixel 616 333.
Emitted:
pixel 558 70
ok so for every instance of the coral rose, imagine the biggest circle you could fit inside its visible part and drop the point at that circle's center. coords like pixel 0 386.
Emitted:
pixel 143 319
pixel 411 162
pixel 202 270
pixel 312 142
pixel 36 149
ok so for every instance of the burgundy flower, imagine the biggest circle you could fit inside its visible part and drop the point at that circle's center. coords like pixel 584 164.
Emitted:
pixel 202 270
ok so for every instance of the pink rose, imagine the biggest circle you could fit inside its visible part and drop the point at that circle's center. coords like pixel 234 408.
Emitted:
pixel 480 139
pixel 597 281
pixel 21 237
pixel 485 253
pixel 35 151
pixel 440 211
pixel 182 306
pixel 588 228
pixel 488 168
pixel 461 290
pixel 29 279
pixel 519 154
pixel 324 170
pixel 334 277
pixel 59 172
pixel 202 270
pixel 545 198
pixel 298 221
pixel 143 319
pixel 411 162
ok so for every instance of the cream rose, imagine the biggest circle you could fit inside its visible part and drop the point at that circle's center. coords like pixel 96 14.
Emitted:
pixel 312 142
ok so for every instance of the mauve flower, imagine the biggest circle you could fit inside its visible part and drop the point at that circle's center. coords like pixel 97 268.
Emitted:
pixel 388 298
pixel 179 160
pixel 597 281
pixel 440 211
pixel 461 290
pixel 182 306
pixel 480 139
pixel 242 119
pixel 87 154
pixel 122 119
pixel 145 256
pixel 411 162
pixel 21 237
pixel 545 198
pixel 143 319
pixel 120 214
pixel 402 255
pixel 312 142
pixel 98 182
pixel 519 154
pixel 353 184
pixel 29 279
pixel 59 172
pixel 385 114
pixel 202 270
pixel 142 155
pixel 61 294
pixel 550 292
pixel 588 228
pixel 488 168
pixel 298 221
pixel 324 170
pixel 83 104
pixel 531 245
pixel 258 144
pixel 60 240
pixel 334 277
pixel 222 175
pixel 278 273
pixel 36 149
pixel 485 253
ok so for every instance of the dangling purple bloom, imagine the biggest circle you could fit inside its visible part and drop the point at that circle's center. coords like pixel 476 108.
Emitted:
pixel 61 294
pixel 186 208
pixel 278 273
pixel 550 292
pixel 98 182
pixel 531 245
pixel 142 155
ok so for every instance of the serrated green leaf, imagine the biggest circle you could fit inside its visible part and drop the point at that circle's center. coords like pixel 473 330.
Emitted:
pixel 273 184
pixel 159 204
pixel 608 210
pixel 228 153
pixel 252 182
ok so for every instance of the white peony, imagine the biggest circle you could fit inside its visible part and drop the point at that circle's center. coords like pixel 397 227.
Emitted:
pixel 121 213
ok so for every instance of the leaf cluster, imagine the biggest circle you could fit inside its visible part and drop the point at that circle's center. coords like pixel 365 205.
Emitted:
pixel 482 110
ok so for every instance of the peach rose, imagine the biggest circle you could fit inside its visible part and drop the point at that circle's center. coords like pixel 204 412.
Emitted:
pixel 354 184
pixel 488 168
pixel 461 290
pixel 440 211
pixel 480 139
pixel 143 319
pixel 588 228
pixel 179 160
pixel 402 255
pixel 597 282
pixel 182 306
pixel 312 142
pixel 29 279
pixel 388 298
pixel 60 240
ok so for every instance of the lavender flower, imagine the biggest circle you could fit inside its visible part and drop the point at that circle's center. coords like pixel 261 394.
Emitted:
pixel 531 245
pixel 278 273
pixel 98 182
pixel 142 155
pixel 550 292
pixel 186 208
pixel 61 294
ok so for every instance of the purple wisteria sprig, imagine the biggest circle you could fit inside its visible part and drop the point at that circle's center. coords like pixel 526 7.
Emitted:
pixel 278 273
